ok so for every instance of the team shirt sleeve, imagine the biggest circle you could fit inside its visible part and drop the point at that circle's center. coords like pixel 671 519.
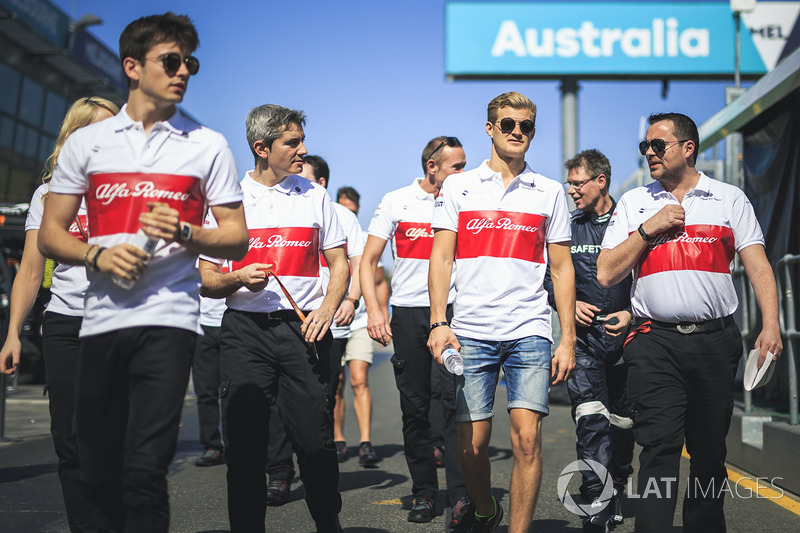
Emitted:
pixel 331 233
pixel 617 229
pixel 69 176
pixel 445 209
pixel 383 224
pixel 210 223
pixel 354 234
pixel 559 227
pixel 745 226
pixel 222 186
pixel 35 210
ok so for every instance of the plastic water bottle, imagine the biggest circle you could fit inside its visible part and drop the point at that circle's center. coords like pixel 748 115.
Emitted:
pixel 452 360
pixel 146 243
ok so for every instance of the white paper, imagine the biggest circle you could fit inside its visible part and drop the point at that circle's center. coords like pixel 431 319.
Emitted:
pixel 755 377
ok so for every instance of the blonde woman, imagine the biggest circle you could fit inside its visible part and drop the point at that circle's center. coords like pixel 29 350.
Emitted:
pixel 62 321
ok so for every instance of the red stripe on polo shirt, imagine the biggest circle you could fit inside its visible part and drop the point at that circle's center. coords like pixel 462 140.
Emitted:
pixel 414 240
pixel 115 200
pixel 501 234
pixel 323 263
pixel 702 247
pixel 290 251
pixel 78 227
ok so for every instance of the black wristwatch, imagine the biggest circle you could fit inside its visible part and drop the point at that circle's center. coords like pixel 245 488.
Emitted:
pixel 353 301
pixel 646 236
pixel 185 233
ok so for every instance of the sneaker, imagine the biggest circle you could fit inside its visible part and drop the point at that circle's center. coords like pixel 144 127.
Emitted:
pixel 438 454
pixel 488 524
pixel 461 515
pixel 615 507
pixel 597 522
pixel 341 451
pixel 210 457
pixel 366 454
pixel 278 492
pixel 422 510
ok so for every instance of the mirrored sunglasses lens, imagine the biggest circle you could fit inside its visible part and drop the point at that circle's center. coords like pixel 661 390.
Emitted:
pixel 452 142
pixel 192 64
pixel 526 126
pixel 507 125
pixel 643 147
pixel 172 62
pixel 658 145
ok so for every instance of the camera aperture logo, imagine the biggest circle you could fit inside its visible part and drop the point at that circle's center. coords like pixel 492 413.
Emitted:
pixel 584 465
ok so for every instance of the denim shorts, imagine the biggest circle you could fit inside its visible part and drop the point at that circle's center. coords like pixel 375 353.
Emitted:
pixel 526 363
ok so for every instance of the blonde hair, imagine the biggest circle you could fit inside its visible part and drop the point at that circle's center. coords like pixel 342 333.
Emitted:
pixel 79 115
pixel 512 99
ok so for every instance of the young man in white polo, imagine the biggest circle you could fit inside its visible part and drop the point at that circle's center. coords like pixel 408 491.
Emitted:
pixel 148 168
pixel 502 224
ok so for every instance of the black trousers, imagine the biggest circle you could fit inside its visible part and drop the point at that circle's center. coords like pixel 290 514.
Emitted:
pixel 597 392
pixel 262 357
pixel 279 453
pixel 206 377
pixel 131 386
pixel 61 348
pixel 681 386
pixel 415 378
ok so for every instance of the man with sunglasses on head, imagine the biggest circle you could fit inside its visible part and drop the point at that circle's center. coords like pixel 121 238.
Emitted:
pixel 404 217
pixel 502 224
pixel 679 236
pixel 597 386
pixel 147 172
pixel 275 336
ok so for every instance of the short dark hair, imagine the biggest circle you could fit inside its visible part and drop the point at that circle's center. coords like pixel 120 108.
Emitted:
pixel 683 128
pixel 593 162
pixel 349 193
pixel 141 35
pixel 320 167
pixel 435 144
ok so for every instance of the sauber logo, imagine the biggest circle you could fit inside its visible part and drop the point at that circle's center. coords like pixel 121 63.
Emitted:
pixel 108 192
pixel 413 234
pixel 476 225
pixel 274 241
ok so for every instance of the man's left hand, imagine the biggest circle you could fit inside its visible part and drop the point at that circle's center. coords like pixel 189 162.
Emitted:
pixel 563 363
pixel 161 222
pixel 769 340
pixel 317 324
pixel 345 314
pixel 615 330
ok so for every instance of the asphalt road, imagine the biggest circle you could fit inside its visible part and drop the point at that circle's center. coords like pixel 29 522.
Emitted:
pixel 375 500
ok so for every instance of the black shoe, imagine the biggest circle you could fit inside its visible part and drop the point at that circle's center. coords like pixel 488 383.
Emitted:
pixel 615 507
pixel 598 521
pixel 278 492
pixel 366 454
pixel 341 451
pixel 488 524
pixel 422 510
pixel 438 454
pixel 461 515
pixel 210 457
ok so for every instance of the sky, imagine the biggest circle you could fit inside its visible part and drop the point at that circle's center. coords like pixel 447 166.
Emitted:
pixel 370 77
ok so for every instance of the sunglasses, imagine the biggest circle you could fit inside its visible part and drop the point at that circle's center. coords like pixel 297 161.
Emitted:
pixel 659 146
pixel 508 124
pixel 172 63
pixel 452 142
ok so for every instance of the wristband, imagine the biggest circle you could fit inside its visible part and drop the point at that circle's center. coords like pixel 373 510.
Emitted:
pixel 96 255
pixel 354 302
pixel 86 262
pixel 437 324
pixel 646 236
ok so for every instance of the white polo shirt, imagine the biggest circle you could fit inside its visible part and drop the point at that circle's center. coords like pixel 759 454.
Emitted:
pixel 289 225
pixel 501 250
pixel 685 275
pixel 404 217
pixel 69 281
pixel 119 168
pixel 355 247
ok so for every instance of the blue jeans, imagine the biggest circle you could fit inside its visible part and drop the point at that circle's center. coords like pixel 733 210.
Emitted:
pixel 526 363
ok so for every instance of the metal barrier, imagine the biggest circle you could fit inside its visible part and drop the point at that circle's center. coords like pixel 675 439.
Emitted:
pixel 789 332
pixel 747 304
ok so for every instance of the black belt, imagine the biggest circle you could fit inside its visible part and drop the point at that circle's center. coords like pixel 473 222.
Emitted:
pixel 284 315
pixel 707 326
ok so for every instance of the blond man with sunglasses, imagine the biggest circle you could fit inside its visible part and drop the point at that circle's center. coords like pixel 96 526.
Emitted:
pixel 501 224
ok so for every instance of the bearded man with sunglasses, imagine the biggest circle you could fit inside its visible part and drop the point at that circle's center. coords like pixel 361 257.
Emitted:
pixel 679 236
pixel 147 169
pixel 501 224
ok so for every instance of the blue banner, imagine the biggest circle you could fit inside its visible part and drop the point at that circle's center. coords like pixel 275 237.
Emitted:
pixel 595 40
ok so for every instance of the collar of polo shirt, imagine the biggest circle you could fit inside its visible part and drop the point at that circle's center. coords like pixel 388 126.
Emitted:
pixel 175 123
pixel 485 173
